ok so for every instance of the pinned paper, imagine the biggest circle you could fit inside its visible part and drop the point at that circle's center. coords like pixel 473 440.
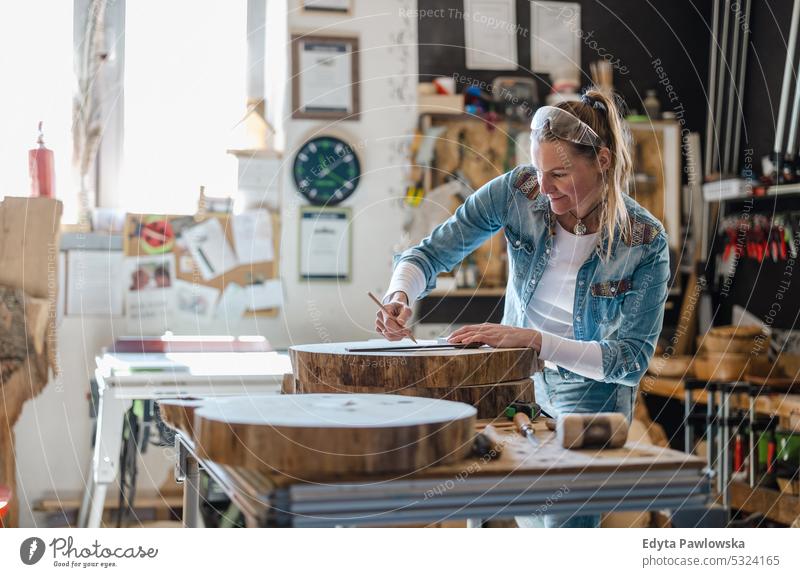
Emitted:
pixel 252 237
pixel 266 295
pixel 195 302
pixel 210 249
pixel 233 303
pixel 149 289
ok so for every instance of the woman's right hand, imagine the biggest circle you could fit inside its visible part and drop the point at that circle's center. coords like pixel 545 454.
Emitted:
pixel 393 325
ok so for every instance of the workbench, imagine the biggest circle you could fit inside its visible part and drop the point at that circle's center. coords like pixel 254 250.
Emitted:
pixel 523 481
pixel 124 377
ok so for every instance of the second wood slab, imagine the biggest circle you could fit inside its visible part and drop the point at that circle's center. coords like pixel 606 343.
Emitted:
pixel 316 436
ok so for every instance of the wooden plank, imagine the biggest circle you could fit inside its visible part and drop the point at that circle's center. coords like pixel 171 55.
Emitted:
pixel 143 501
pixel 782 404
pixel 776 506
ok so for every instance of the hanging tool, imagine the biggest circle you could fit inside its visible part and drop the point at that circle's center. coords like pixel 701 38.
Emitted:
pixel 711 121
pixel 742 70
pixel 778 149
pixel 524 427
pixel 719 104
pixel 732 91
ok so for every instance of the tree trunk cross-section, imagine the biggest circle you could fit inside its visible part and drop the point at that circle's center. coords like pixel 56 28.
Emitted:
pixel 487 378
pixel 315 436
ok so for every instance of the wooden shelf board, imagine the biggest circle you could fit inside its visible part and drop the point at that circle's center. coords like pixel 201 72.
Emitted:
pixel 780 507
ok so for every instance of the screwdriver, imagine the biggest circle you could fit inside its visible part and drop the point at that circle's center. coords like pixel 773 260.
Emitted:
pixel 523 425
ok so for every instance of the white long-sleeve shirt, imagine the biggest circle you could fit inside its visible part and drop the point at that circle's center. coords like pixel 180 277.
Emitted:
pixel 551 308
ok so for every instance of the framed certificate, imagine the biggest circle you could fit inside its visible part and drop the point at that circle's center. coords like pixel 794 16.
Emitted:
pixel 325 81
pixel 330 6
pixel 325 244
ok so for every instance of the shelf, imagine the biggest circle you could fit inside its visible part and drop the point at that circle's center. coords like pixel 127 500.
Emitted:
pixel 781 507
pixel 468 292
pixel 783 404
pixel 781 189
pixel 772 192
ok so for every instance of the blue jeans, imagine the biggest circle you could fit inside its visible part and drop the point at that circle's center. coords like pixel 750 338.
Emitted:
pixel 557 396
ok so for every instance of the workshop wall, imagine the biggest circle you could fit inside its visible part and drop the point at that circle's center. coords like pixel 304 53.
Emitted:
pixel 313 312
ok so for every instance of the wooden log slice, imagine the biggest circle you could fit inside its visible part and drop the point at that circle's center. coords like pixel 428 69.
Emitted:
pixel 179 413
pixel 317 436
pixel 332 365
pixel 489 400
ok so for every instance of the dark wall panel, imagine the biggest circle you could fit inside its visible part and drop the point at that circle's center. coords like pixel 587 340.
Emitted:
pixel 636 32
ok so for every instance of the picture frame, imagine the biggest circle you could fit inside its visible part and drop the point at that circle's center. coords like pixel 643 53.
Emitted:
pixel 328 6
pixel 325 77
pixel 325 241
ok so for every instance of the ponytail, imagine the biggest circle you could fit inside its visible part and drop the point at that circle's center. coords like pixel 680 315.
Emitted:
pixel 603 113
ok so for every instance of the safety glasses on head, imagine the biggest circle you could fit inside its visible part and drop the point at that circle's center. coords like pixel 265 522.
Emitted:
pixel 565 125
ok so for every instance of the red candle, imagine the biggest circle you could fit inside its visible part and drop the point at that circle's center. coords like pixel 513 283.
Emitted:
pixel 42 168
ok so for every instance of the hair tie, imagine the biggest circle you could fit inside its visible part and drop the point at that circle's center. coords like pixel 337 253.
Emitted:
pixel 593 102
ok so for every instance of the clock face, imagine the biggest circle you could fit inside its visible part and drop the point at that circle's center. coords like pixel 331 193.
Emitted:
pixel 326 170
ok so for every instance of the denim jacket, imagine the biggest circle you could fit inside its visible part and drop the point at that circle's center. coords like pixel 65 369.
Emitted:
pixel 619 302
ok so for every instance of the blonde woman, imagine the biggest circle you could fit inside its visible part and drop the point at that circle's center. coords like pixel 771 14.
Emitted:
pixel 588 266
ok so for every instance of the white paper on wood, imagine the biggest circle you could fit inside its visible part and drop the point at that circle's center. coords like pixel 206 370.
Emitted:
pixel 324 245
pixel 556 39
pixel 233 303
pixel 325 77
pixel 210 248
pixel 94 283
pixel 490 29
pixel 149 293
pixel 194 303
pixel 252 237
pixel 265 295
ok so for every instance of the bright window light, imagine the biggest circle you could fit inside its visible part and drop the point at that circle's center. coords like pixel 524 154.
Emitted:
pixel 37 83
pixel 184 89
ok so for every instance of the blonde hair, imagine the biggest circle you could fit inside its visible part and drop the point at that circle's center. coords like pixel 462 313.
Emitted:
pixel 603 113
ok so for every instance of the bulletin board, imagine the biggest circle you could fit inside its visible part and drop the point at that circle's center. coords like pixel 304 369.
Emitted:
pixel 147 236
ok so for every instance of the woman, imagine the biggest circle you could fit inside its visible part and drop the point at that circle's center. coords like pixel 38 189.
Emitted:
pixel 588 266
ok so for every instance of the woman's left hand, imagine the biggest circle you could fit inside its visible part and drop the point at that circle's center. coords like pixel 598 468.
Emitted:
pixel 498 336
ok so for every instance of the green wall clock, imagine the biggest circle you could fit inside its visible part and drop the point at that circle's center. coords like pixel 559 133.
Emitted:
pixel 326 170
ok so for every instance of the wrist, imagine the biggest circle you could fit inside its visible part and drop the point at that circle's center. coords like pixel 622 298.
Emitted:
pixel 399 296
pixel 536 341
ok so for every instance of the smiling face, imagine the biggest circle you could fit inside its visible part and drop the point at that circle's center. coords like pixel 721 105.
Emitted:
pixel 572 181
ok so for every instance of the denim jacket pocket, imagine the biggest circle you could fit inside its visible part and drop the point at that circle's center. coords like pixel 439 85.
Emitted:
pixel 607 297
pixel 520 252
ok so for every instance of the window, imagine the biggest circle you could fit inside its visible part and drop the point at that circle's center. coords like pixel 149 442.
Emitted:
pixel 184 89
pixel 37 83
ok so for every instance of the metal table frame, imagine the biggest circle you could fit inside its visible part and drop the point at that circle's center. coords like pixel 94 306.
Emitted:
pixel 116 395
pixel 424 500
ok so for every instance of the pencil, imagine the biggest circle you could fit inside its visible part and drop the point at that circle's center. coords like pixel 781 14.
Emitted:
pixel 384 309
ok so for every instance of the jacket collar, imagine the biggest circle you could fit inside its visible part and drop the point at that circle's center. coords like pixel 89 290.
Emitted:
pixel 542 204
